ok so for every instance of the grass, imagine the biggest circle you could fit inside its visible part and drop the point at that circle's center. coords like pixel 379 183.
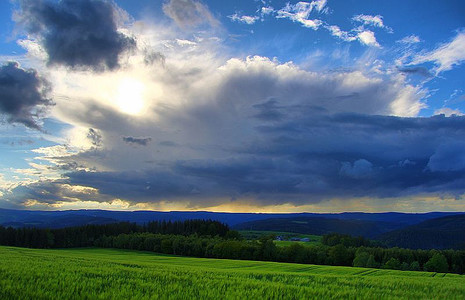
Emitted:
pixel 288 243
pixel 256 234
pixel 121 274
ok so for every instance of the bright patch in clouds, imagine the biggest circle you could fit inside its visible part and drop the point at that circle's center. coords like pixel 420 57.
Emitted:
pixel 130 96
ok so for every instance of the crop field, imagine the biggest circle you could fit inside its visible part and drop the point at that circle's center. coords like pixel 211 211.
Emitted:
pixel 122 274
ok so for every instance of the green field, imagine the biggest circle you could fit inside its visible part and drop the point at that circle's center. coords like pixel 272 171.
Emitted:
pixel 120 274
pixel 257 234
pixel 288 243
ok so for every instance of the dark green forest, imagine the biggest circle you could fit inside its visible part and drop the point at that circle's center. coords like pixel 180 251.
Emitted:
pixel 212 239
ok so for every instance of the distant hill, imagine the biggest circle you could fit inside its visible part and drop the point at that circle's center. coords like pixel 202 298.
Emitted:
pixel 320 226
pixel 59 221
pixel 64 218
pixel 440 233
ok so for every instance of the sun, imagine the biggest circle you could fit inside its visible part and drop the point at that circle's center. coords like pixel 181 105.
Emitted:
pixel 130 96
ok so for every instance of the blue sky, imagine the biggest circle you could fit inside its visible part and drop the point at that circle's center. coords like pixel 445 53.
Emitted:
pixel 279 106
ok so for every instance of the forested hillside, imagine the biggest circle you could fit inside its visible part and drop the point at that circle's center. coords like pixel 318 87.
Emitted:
pixel 441 233
pixel 319 226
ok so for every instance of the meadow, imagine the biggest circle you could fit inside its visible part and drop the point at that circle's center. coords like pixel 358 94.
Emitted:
pixel 93 273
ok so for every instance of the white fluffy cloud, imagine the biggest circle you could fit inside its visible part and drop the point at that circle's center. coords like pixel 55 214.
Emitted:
pixel 343 35
pixel 365 37
pixel 368 38
pixel 446 56
pixel 244 18
pixel 304 13
pixel 300 13
pixel 375 21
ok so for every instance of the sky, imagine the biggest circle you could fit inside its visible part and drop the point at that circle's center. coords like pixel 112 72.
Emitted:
pixel 240 106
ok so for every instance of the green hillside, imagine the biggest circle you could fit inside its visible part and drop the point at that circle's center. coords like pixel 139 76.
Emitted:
pixel 120 274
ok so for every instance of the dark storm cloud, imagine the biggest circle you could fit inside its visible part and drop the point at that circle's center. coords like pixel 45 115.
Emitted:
pixel 142 141
pixel 141 185
pixel 23 94
pixel 415 70
pixel 76 33
pixel 95 137
pixel 332 156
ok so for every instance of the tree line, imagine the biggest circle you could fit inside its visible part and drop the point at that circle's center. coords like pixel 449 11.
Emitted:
pixel 85 236
pixel 337 254
pixel 212 239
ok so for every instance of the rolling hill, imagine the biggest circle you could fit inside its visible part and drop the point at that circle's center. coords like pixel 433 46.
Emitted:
pixel 21 218
pixel 440 233
pixel 122 274
pixel 320 226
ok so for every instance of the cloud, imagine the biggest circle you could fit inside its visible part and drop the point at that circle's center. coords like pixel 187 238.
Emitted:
pixel 305 158
pixel 152 57
pixel 359 169
pixel 375 21
pixel 446 56
pixel 76 33
pixel 142 141
pixel 449 156
pixel 267 10
pixel 23 94
pixel 51 193
pixel 215 130
pixel 365 37
pixel 415 70
pixel 94 137
pixel 244 18
pixel 368 38
pixel 252 129
pixel 300 13
pixel 189 13
pixel 411 39
pixel 343 35
pixel 448 112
